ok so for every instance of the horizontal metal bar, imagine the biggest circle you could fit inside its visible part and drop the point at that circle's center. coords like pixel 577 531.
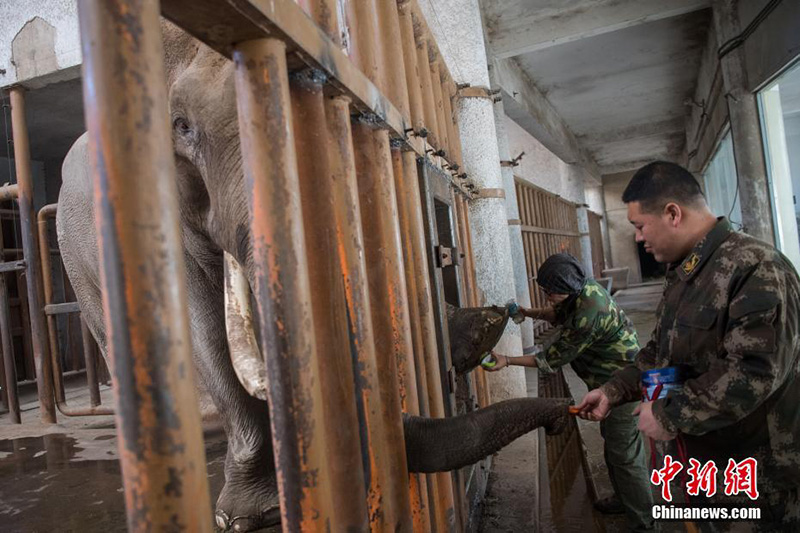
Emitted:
pixel 62 309
pixel 12 266
pixel 548 231
pixel 9 192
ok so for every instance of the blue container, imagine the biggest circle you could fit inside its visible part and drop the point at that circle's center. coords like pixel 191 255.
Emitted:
pixel 670 378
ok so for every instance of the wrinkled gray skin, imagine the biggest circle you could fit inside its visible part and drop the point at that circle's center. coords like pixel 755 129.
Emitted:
pixel 214 217
pixel 474 331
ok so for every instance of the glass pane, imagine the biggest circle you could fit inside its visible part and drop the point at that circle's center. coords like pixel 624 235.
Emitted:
pixel 780 109
pixel 722 191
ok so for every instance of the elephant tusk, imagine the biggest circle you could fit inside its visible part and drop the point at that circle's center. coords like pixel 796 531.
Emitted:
pixel 245 354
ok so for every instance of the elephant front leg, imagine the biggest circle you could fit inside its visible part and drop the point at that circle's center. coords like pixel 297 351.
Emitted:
pixel 249 498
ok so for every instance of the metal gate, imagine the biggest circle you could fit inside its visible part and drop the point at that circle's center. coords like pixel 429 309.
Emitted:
pixel 368 113
pixel 596 236
pixel 549 226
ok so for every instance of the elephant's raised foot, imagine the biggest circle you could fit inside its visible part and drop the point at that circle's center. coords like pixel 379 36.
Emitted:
pixel 249 507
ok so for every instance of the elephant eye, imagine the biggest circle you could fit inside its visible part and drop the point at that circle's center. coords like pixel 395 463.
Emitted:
pixel 181 125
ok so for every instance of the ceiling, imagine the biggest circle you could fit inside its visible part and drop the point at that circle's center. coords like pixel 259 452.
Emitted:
pixel 616 72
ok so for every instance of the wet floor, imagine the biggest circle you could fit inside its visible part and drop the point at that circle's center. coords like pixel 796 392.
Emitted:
pixel 58 483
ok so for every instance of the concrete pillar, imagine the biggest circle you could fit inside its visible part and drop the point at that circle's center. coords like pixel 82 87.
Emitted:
pixel 748 146
pixel 585 239
pixel 523 294
pixel 461 41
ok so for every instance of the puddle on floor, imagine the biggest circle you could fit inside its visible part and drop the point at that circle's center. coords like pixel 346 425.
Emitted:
pixel 57 483
pixel 566 504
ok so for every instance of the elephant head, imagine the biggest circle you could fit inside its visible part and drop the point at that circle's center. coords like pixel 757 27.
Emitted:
pixel 473 332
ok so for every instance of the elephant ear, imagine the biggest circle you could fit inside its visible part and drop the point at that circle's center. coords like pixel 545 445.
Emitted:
pixel 474 331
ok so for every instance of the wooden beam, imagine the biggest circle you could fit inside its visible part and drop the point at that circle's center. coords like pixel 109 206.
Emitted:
pixel 514 28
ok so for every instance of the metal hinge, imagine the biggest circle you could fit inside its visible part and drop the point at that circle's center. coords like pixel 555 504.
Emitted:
pixel 444 256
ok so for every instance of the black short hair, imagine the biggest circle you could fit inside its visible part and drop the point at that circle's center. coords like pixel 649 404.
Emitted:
pixel 659 183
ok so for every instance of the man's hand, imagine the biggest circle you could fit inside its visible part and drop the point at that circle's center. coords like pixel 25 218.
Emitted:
pixel 501 362
pixel 648 423
pixel 595 406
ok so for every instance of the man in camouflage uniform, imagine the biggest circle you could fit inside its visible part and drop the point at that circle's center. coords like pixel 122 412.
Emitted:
pixel 730 319
pixel 597 339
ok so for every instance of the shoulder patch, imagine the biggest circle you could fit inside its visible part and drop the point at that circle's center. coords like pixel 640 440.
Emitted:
pixel 691 263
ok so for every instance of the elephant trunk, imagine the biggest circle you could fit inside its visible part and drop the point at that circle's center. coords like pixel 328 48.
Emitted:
pixel 443 444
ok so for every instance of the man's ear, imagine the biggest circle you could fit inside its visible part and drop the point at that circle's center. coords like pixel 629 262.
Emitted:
pixel 673 213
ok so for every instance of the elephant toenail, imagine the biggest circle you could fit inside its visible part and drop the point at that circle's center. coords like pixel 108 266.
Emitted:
pixel 222 520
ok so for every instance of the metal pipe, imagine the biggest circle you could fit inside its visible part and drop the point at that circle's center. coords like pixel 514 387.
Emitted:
pixel 9 365
pixel 27 216
pixel 392 47
pixel 51 310
pixel 9 192
pixel 90 360
pixel 410 63
pixel 423 66
pixel 142 267
pixel 405 176
pixel 436 85
pixel 322 207
pixel 453 144
pixel 281 282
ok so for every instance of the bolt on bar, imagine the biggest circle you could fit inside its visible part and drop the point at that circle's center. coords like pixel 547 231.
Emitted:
pixel 142 267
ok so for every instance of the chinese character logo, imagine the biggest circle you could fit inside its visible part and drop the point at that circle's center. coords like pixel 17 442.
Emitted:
pixel 702 479
pixel 741 477
pixel 664 475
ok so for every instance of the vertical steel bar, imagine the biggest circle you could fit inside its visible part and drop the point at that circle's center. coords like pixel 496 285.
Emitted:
pixel 90 357
pixel 428 103
pixel 142 267
pixel 436 85
pixel 281 280
pixel 392 52
pixel 321 206
pixel 410 63
pixel 405 173
pixel 47 282
pixel 27 218
pixel 6 337
pixel 452 141
pixel 387 293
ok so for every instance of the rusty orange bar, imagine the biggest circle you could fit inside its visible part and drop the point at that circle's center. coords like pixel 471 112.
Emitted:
pixel 27 219
pixel 389 36
pixel 388 303
pixel 142 267
pixel 45 213
pixel 436 84
pixel 413 83
pixel 454 143
pixel 428 98
pixel 322 213
pixel 407 201
pixel 441 487
pixel 282 289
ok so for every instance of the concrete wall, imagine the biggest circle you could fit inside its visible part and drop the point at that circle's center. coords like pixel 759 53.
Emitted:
pixel 542 168
pixel 38 38
pixel 620 231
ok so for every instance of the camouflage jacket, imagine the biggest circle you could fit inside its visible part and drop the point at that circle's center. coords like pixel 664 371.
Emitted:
pixel 730 317
pixel 596 337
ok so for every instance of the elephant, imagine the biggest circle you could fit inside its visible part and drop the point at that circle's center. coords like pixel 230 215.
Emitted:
pixel 214 219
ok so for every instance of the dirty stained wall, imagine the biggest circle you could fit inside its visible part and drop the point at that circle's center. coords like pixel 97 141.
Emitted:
pixel 38 38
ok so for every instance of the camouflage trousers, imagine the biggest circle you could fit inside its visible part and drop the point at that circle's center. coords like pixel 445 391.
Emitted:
pixel 627 466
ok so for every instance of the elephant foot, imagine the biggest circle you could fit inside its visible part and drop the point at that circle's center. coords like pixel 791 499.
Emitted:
pixel 247 507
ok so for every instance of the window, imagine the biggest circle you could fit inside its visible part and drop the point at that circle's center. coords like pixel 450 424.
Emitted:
pixel 780 118
pixel 719 178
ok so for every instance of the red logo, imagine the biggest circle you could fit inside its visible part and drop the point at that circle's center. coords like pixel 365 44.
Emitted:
pixel 702 479
pixel 664 475
pixel 741 477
